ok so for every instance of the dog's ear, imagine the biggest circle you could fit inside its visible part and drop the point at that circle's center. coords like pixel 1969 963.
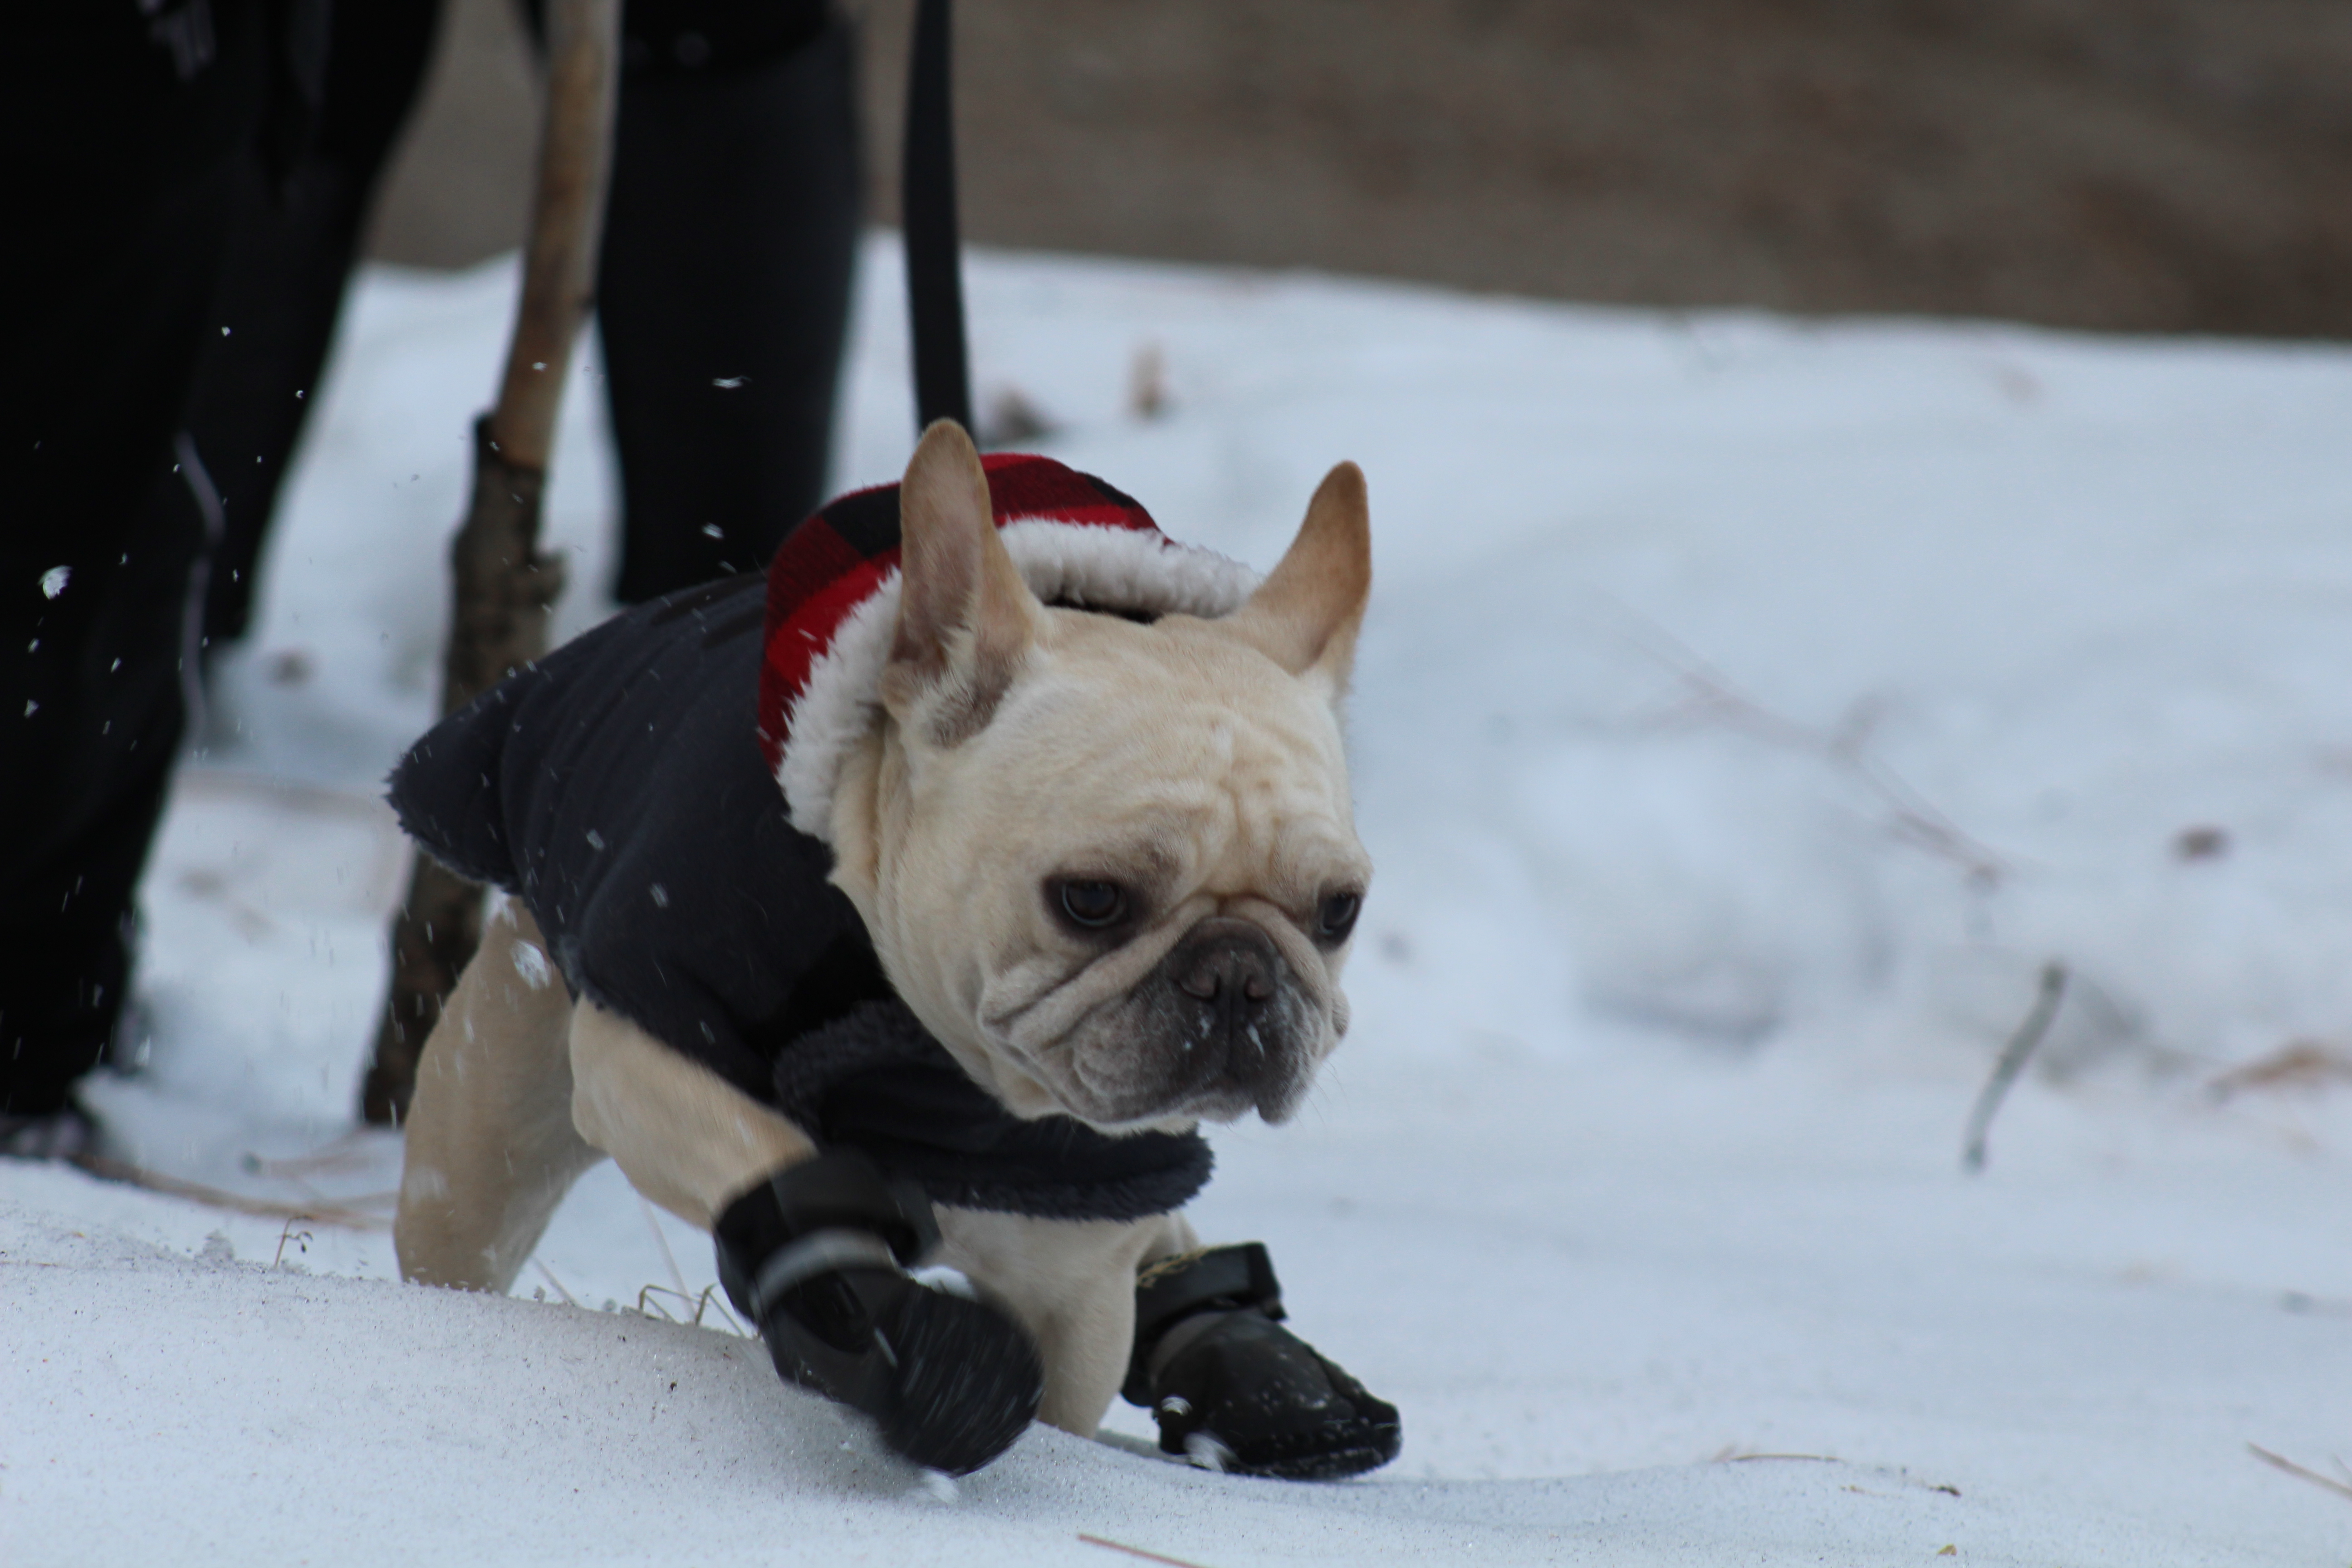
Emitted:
pixel 1306 616
pixel 966 619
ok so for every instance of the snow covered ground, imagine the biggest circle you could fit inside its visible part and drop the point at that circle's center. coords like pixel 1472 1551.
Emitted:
pixel 1749 710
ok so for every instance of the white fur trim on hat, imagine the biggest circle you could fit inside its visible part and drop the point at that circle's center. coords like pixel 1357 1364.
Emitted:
pixel 1106 568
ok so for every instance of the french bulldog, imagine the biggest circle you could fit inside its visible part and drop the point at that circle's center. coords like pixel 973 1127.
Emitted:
pixel 1038 853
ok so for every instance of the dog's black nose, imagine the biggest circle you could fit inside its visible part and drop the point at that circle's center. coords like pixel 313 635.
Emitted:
pixel 1231 972
pixel 1231 1026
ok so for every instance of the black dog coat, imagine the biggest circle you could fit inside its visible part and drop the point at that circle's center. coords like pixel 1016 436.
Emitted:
pixel 658 793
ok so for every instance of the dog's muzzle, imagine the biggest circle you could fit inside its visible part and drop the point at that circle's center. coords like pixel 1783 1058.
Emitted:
pixel 1235 1024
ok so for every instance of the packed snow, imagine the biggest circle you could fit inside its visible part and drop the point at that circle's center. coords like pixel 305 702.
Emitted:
pixel 1749 710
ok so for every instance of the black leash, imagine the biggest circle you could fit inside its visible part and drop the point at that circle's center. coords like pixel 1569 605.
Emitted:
pixel 928 208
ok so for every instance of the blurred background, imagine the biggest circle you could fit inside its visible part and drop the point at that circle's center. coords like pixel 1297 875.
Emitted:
pixel 2141 165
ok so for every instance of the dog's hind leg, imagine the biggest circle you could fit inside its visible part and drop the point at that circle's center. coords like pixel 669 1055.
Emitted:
pixel 490 1147
pixel 685 1137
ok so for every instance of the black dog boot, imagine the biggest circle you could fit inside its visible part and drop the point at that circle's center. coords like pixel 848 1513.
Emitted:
pixel 817 1257
pixel 1232 1389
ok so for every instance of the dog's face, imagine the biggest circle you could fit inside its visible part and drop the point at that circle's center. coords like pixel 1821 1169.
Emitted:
pixel 1112 865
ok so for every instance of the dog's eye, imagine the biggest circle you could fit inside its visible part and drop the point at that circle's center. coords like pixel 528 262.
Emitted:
pixel 1093 904
pixel 1336 917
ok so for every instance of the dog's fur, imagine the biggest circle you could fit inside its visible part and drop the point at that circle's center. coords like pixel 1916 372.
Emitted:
pixel 1196 763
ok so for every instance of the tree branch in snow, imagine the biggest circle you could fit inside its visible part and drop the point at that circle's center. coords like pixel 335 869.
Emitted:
pixel 1911 819
pixel 1136 1550
pixel 502 584
pixel 2012 1061
pixel 2292 1468
pixel 2296 1064
pixel 217 1197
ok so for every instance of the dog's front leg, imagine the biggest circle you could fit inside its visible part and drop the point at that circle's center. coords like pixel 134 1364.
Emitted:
pixel 1071 1283
pixel 812 1249
pixel 685 1137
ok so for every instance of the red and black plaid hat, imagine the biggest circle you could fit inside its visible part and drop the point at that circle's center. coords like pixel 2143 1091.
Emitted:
pixel 1073 535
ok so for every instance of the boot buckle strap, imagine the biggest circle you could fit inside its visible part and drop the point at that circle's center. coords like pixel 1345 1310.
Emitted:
pixel 818 1252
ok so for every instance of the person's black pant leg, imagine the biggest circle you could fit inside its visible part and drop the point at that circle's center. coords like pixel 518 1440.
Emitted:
pixel 724 289
pixel 295 240
pixel 120 134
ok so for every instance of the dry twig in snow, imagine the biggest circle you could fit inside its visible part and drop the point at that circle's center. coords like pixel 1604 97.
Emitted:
pixel 2299 1064
pixel 1136 1552
pixel 707 1301
pixel 351 1151
pixel 2013 1062
pixel 215 1198
pixel 551 1279
pixel 1911 819
pixel 301 1238
pixel 2292 1468
pixel 653 1224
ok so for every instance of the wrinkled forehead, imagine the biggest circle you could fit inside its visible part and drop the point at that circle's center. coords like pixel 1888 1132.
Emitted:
pixel 1158 735
pixel 1181 695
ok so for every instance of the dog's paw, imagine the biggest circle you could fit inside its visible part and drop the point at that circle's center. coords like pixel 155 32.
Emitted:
pixel 1247 1394
pixel 950 1382
pixel 965 1380
pixel 816 1255
pixel 1232 1389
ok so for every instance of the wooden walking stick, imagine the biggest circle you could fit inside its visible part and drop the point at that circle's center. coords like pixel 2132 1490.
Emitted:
pixel 502 587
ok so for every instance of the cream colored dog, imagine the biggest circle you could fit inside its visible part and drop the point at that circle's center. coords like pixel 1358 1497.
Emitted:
pixel 1109 865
